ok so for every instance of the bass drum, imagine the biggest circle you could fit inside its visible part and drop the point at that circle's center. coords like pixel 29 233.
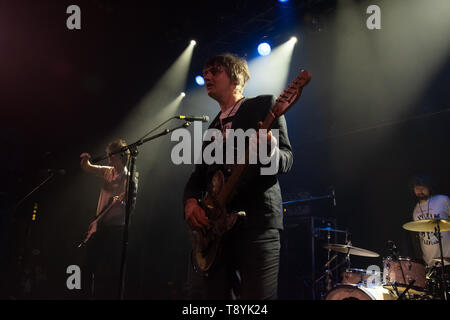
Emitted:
pixel 354 292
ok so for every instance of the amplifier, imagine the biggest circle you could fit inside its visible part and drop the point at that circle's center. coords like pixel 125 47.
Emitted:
pixel 302 257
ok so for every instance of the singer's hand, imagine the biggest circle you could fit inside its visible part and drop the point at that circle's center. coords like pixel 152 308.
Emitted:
pixel 260 137
pixel 84 159
pixel 195 215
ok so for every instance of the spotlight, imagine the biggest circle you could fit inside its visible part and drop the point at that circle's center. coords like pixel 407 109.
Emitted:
pixel 264 49
pixel 193 42
pixel 283 1
pixel 183 94
pixel 293 39
pixel 200 81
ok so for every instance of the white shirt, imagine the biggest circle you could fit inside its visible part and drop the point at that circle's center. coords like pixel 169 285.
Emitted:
pixel 226 119
pixel 112 187
pixel 436 207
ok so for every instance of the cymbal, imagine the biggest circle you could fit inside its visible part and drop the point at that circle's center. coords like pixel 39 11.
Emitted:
pixel 343 248
pixel 330 229
pixel 427 225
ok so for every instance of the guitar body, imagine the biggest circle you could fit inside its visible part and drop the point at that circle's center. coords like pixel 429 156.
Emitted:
pixel 206 244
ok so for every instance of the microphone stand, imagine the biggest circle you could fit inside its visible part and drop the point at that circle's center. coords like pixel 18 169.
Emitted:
pixel 50 176
pixel 396 257
pixel 131 196
pixel 444 282
pixel 22 256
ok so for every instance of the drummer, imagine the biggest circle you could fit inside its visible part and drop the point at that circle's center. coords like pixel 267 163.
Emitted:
pixel 431 206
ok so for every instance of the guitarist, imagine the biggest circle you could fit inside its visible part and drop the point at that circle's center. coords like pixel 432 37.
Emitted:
pixel 248 263
pixel 105 234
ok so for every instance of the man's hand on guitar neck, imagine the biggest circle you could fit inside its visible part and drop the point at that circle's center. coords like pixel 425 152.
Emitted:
pixel 257 138
pixel 195 215
pixel 261 137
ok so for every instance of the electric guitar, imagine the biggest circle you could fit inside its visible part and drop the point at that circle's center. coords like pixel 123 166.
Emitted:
pixel 205 244
pixel 102 213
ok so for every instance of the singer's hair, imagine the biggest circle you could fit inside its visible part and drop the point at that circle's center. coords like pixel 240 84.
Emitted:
pixel 235 67
pixel 422 180
pixel 116 145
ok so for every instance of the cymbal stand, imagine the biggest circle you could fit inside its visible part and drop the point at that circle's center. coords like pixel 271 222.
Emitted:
pixel 347 255
pixel 394 285
pixel 406 290
pixel 439 236
pixel 325 274
pixel 404 280
pixel 348 242
pixel 328 273
pixel 395 255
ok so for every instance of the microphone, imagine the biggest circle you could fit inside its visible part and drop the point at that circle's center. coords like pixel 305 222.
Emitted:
pixel 193 118
pixel 57 171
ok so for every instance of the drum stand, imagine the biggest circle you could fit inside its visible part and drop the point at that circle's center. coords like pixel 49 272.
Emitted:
pixel 328 273
pixel 400 297
pixel 439 236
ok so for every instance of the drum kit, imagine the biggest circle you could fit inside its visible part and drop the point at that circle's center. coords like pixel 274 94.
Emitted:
pixel 402 278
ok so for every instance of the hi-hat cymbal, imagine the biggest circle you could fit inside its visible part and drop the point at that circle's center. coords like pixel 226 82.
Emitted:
pixel 427 225
pixel 343 248
pixel 330 229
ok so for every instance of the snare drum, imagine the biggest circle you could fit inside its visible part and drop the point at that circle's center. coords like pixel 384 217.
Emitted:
pixel 354 292
pixel 401 272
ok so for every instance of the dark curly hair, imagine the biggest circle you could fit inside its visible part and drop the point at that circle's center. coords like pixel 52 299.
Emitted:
pixel 235 67
pixel 422 180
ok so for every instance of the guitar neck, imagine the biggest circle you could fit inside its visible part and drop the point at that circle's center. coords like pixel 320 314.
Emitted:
pixel 106 210
pixel 238 169
pixel 287 98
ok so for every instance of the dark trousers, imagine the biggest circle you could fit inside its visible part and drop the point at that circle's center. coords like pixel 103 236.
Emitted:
pixel 104 253
pixel 247 266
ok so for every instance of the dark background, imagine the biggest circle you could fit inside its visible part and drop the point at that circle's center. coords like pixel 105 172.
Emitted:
pixel 62 92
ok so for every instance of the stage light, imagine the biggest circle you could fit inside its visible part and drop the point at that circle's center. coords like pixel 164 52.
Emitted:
pixel 263 69
pixel 293 39
pixel 264 49
pixel 183 94
pixel 193 42
pixel 200 81
pixel 283 1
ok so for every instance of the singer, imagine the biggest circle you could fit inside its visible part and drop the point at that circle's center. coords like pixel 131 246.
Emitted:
pixel 105 232
pixel 248 263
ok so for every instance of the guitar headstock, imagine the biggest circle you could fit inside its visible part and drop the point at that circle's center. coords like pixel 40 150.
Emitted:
pixel 291 94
